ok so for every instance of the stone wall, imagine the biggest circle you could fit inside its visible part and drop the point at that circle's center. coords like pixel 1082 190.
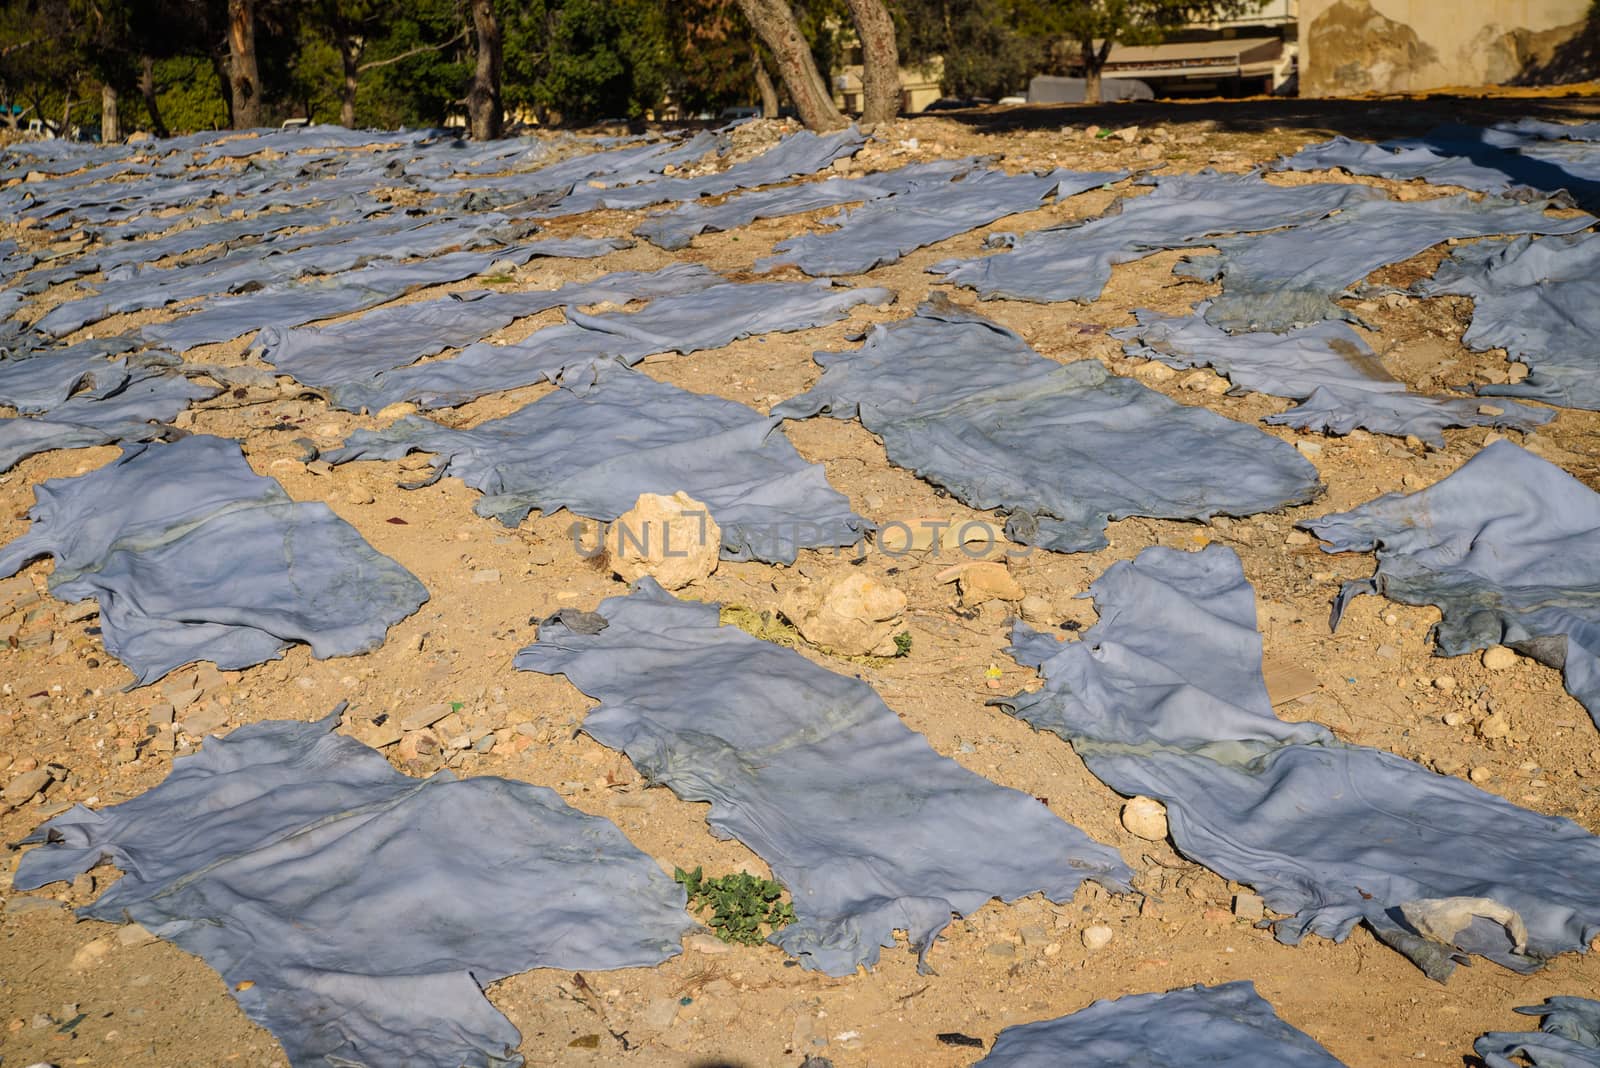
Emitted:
pixel 1355 46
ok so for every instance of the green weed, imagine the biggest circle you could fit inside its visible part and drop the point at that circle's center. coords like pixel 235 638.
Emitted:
pixel 740 904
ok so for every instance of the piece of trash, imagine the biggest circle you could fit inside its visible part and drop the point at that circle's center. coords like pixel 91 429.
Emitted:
pixel 956 1038
pixel 397 521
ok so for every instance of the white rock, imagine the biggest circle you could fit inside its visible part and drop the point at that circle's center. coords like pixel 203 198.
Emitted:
pixel 91 954
pixel 1146 818
pixel 1154 372
pixel 1499 658
pixel 1036 609
pixel 1097 937
pixel 857 616
pixel 672 539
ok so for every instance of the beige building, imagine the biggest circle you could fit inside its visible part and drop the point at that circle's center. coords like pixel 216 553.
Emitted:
pixel 1254 53
pixel 1354 46
pixel 919 86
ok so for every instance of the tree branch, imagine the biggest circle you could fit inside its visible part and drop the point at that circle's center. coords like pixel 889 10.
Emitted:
pixel 419 50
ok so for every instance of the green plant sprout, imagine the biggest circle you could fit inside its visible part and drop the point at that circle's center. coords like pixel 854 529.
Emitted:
pixel 740 904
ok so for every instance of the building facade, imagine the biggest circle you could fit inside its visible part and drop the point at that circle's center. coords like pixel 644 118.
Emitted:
pixel 1253 54
pixel 1355 46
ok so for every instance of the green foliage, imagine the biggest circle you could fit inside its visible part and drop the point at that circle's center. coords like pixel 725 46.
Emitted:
pixel 565 60
pixel 189 94
pixel 1126 21
pixel 740 904
pixel 580 60
pixel 902 643
pixel 713 56
pixel 983 43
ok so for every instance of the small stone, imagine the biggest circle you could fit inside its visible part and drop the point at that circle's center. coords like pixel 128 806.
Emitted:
pixel 910 534
pixel 126 755
pixel 134 935
pixel 1145 817
pixel 206 719
pixel 985 580
pixel 161 714
pixel 1249 907
pixel 1414 482
pixel 1202 381
pixel 672 539
pixel 20 789
pixel 486 575
pixel 1036 609
pixel 1516 372
pixel 1154 372
pixel 1034 935
pixel 1097 937
pixel 380 735
pixel 90 955
pixel 208 678
pixel 83 884
pixel 1127 135
pixel 484 744
pixel 426 716
pixel 1490 409
pixel 1480 775
pixel 856 616
pixel 418 747
pixel 1000 951
pixel 396 411
pixel 1386 652
pixel 163 742
pixel 1390 619
pixel 23 903
pixel 1445 684
pixel 659 1014
pixel 1499 658
pixel 1297 538
pixel 1308 449
pixel 1495 726
pixel 710 945
pixel 1454 719
pixel 182 699
pixel 1150 152
pixel 80 612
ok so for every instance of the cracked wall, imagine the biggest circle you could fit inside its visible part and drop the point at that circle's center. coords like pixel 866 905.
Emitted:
pixel 1356 46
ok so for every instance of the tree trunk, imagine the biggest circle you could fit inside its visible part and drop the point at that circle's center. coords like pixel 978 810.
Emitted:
pixel 110 124
pixel 147 89
pixel 483 98
pixel 774 23
pixel 769 92
pixel 244 79
pixel 1094 61
pixel 65 129
pixel 350 47
pixel 880 61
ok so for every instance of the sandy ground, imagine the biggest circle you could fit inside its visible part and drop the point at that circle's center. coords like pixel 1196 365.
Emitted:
pixel 148 1005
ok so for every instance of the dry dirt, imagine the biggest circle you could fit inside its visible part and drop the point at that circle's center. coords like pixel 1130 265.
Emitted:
pixel 149 1005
